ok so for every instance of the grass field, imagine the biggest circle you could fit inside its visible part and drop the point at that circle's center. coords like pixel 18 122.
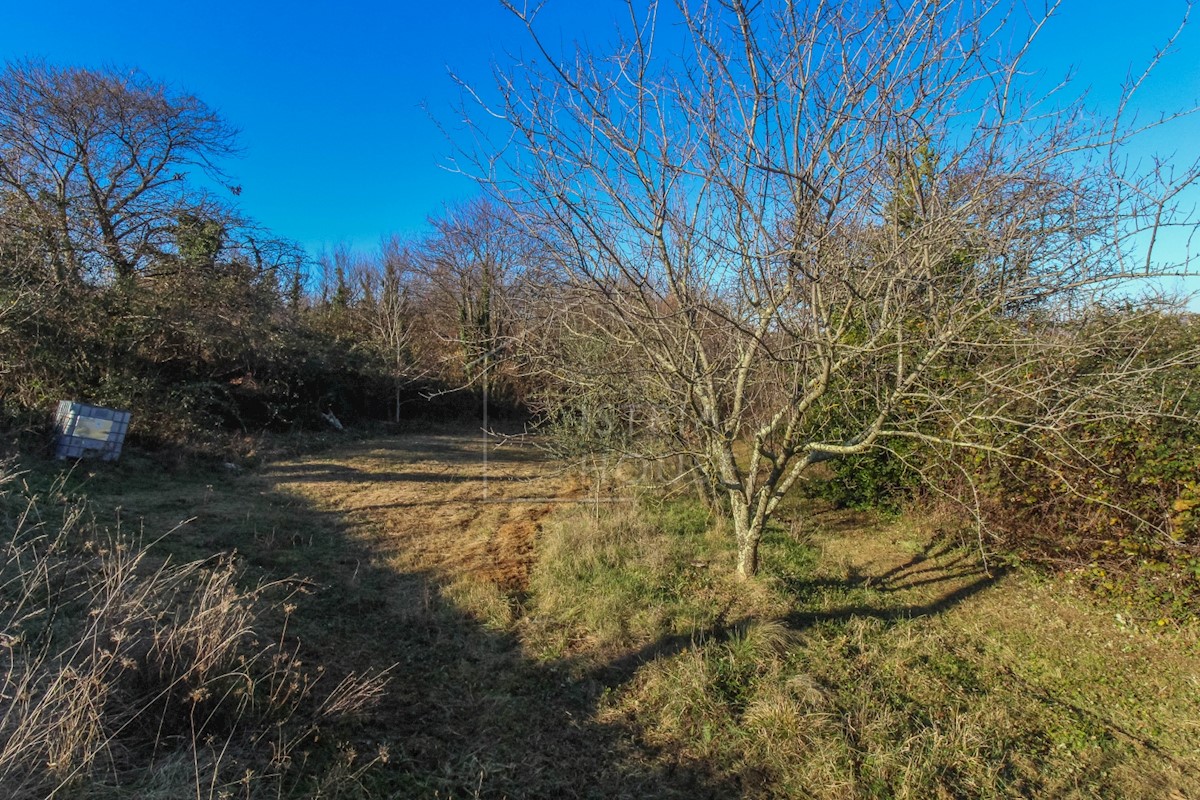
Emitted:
pixel 542 640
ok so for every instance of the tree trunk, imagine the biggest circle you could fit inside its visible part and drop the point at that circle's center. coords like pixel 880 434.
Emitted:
pixel 748 533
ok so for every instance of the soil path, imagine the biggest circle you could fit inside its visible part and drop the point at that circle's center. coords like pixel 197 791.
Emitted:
pixel 448 504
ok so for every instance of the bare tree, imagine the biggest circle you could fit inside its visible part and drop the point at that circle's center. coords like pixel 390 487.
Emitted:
pixel 470 265
pixel 817 227
pixel 339 290
pixel 99 159
pixel 394 318
pixel 23 295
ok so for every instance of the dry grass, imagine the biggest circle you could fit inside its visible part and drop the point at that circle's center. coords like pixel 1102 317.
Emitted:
pixel 600 587
pixel 121 669
pixel 547 650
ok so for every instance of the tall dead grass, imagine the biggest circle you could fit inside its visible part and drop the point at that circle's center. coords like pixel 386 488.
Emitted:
pixel 124 672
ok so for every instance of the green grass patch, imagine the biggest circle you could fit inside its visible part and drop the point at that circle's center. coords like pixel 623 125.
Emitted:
pixel 853 668
pixel 631 574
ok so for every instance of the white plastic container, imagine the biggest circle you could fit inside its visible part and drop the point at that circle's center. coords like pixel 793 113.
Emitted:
pixel 89 431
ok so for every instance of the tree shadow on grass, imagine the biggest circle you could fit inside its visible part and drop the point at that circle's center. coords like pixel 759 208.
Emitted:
pixel 938 576
pixel 803 618
pixel 466 712
pixel 938 566
pixel 331 473
pixel 470 714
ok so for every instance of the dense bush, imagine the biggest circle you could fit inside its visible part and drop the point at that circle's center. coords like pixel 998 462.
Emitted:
pixel 881 478
pixel 1121 509
pixel 1114 497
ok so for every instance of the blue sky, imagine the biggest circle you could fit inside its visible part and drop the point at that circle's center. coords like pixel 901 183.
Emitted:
pixel 334 101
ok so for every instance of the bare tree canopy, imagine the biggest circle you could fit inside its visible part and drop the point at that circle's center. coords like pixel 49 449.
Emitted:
pixel 96 159
pixel 472 265
pixel 816 227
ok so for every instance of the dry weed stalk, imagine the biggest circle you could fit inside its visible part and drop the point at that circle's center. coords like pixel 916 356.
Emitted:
pixel 116 663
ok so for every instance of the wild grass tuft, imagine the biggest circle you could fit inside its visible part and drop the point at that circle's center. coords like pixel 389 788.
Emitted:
pixel 120 669
pixel 636 573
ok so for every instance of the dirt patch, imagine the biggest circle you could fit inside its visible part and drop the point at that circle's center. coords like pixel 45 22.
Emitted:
pixel 511 550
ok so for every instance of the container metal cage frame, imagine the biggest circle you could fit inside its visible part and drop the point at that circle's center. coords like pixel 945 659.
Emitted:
pixel 84 431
